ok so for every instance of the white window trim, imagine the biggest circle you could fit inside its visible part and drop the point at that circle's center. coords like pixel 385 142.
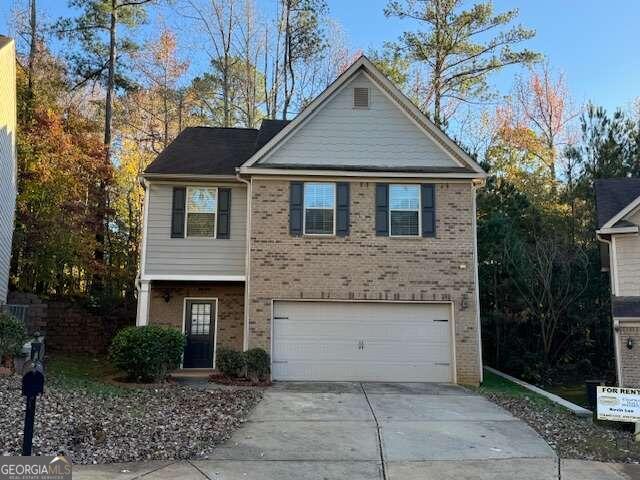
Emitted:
pixel 304 210
pixel 213 300
pixel 186 213
pixel 419 234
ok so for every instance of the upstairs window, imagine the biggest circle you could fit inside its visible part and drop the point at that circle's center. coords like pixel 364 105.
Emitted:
pixel 404 210
pixel 319 208
pixel 201 209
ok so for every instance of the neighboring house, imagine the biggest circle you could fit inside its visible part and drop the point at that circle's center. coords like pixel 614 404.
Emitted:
pixel 618 206
pixel 8 166
pixel 342 242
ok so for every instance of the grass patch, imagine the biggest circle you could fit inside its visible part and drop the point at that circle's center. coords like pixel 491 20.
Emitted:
pixel 496 384
pixel 92 373
pixel 574 393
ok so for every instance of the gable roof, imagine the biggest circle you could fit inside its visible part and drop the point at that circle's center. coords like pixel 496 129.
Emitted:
pixel 459 156
pixel 614 197
pixel 4 41
pixel 212 150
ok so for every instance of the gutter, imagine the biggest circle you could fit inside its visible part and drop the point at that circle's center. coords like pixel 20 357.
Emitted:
pixel 247 263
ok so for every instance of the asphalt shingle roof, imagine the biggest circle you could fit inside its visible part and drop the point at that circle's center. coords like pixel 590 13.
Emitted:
pixel 625 306
pixel 613 194
pixel 213 150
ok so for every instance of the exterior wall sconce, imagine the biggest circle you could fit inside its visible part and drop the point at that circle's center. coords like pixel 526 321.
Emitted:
pixel 166 296
pixel 464 303
pixel 630 343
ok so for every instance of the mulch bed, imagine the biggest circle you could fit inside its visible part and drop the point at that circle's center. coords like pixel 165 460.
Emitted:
pixel 238 382
pixel 570 436
pixel 167 422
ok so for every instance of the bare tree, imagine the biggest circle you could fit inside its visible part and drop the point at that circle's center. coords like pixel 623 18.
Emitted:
pixel 551 277
pixel 218 21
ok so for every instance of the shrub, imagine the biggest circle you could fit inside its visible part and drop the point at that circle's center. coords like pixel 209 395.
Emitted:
pixel 229 362
pixel 146 353
pixel 12 336
pixel 258 364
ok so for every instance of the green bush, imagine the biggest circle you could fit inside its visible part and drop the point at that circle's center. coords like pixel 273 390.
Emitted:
pixel 146 353
pixel 229 362
pixel 12 336
pixel 258 364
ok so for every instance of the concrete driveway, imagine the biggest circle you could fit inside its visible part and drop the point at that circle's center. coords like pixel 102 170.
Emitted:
pixel 326 431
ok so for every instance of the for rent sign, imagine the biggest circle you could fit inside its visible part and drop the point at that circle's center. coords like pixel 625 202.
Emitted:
pixel 619 404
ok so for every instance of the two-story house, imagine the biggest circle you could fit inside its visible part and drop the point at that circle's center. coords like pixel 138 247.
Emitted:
pixel 343 242
pixel 8 166
pixel 618 212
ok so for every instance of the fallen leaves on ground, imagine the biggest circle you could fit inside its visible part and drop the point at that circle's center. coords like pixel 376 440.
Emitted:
pixel 168 422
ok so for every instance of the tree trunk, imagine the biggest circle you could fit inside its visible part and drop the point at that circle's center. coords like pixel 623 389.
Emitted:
pixel 32 56
pixel 98 281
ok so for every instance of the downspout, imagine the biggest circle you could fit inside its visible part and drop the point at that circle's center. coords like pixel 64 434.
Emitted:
pixel 616 324
pixel 247 264
pixel 474 187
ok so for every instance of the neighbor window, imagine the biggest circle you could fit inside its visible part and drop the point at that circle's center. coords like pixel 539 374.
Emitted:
pixel 404 210
pixel 202 207
pixel 319 208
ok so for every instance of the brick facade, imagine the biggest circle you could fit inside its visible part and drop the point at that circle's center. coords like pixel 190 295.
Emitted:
pixel 630 358
pixel 364 266
pixel 230 313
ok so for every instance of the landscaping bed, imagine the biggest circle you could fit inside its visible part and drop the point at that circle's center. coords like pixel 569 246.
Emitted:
pixel 570 436
pixel 92 420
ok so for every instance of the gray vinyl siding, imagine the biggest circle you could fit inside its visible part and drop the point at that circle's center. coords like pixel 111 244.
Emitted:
pixel 8 170
pixel 628 261
pixel 381 135
pixel 193 256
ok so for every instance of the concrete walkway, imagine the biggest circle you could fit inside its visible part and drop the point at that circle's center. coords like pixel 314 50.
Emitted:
pixel 336 431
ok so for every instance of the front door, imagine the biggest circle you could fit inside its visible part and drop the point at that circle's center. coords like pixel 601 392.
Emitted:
pixel 200 331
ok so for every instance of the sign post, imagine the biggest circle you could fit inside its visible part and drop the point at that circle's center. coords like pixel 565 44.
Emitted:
pixel 619 404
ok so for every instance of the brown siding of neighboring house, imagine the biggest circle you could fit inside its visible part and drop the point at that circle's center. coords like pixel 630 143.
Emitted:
pixel 230 307
pixel 363 265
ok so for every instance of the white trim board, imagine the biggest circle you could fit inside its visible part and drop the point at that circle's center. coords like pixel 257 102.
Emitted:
pixel 623 213
pixel 572 407
pixel 194 278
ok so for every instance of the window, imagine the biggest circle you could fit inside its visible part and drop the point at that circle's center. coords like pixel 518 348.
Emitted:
pixel 404 210
pixel 200 318
pixel 319 208
pixel 202 209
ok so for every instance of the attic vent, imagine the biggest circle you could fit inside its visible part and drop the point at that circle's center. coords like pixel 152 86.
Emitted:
pixel 361 97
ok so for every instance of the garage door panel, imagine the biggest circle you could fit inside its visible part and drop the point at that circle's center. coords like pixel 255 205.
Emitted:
pixel 335 341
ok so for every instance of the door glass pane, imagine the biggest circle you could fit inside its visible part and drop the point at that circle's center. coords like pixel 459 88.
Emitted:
pixel 200 318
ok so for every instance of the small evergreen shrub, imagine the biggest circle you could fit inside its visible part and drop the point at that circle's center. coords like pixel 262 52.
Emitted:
pixel 229 362
pixel 147 353
pixel 12 336
pixel 258 364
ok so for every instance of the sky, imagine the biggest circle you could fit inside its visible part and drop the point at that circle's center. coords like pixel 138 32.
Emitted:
pixel 595 43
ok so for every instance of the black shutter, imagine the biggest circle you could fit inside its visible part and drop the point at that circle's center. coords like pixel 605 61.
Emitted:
pixel 296 199
pixel 382 209
pixel 428 210
pixel 224 213
pixel 178 212
pixel 342 209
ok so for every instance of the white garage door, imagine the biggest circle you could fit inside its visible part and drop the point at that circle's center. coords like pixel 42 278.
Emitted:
pixel 356 341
